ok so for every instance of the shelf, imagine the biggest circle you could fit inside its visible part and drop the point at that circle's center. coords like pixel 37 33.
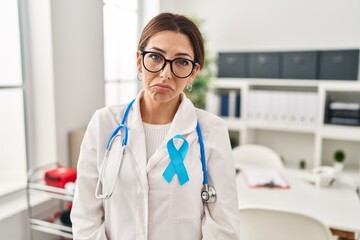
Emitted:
pixel 282 127
pixel 229 83
pixel 283 82
pixel 305 136
pixel 37 186
pixel 54 192
pixel 52 228
pixel 240 82
pixel 337 132
pixel 233 123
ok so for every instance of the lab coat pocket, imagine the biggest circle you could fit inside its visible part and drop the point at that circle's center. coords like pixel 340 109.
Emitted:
pixel 185 201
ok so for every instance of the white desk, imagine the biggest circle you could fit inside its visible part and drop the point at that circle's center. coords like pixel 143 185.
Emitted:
pixel 337 206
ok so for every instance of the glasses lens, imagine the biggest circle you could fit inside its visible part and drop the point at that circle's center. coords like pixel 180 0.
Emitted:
pixel 182 67
pixel 153 62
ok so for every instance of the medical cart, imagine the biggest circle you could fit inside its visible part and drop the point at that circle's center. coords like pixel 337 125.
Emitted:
pixel 58 197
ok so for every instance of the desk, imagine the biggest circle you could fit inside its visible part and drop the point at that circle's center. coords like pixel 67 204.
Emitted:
pixel 337 206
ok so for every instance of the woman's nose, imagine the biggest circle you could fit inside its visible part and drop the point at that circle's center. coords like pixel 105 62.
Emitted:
pixel 166 71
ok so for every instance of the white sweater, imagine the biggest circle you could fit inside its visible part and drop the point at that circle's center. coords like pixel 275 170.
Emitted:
pixel 154 135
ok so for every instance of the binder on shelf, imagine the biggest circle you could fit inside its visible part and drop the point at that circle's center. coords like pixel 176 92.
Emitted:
pixel 232 103
pixel 256 106
pixel 345 121
pixel 282 106
pixel 251 106
pixel 312 105
pixel 224 104
pixel 294 107
pixel 238 106
pixel 277 109
pixel 344 106
pixel 264 105
pixel 343 113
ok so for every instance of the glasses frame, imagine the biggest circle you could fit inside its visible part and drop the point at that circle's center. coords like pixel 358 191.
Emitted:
pixel 194 63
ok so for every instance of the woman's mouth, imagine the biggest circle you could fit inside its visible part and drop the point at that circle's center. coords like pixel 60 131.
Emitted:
pixel 162 87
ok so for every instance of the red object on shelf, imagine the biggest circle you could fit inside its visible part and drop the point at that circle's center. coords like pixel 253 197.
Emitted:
pixel 59 176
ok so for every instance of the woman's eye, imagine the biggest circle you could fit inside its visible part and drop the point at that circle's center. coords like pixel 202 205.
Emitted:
pixel 155 56
pixel 182 62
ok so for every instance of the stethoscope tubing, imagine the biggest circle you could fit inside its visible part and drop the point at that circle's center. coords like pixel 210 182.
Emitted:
pixel 202 154
pixel 208 189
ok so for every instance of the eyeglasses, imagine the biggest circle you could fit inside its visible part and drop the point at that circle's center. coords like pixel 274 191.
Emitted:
pixel 155 62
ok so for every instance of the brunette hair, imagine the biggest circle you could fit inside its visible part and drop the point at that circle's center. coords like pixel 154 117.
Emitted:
pixel 176 23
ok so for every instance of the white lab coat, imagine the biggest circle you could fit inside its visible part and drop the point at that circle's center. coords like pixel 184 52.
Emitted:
pixel 143 205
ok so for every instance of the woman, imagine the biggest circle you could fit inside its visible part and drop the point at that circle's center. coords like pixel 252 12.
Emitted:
pixel 158 191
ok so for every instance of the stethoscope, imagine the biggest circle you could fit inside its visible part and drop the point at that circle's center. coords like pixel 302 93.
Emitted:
pixel 208 193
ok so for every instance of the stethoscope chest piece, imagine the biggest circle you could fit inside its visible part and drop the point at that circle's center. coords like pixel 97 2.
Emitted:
pixel 208 194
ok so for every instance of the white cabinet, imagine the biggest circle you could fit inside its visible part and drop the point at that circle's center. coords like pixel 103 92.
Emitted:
pixel 288 116
pixel 54 200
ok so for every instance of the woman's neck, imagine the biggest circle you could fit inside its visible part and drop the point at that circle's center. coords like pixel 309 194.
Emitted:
pixel 158 112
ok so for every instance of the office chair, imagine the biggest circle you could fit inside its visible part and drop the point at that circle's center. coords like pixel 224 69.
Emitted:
pixel 257 155
pixel 270 224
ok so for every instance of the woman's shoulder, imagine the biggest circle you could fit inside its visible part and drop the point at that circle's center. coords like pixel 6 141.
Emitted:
pixel 109 112
pixel 208 119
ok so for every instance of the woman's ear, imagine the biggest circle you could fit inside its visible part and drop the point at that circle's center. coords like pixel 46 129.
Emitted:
pixel 138 61
pixel 195 71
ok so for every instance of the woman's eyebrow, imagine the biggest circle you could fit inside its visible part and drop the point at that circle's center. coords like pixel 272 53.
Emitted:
pixel 164 52
pixel 158 49
pixel 183 54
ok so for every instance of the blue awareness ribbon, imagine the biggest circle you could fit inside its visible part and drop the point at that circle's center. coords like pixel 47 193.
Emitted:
pixel 176 165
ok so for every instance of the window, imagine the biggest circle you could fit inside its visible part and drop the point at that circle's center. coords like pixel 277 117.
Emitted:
pixel 12 119
pixel 120 45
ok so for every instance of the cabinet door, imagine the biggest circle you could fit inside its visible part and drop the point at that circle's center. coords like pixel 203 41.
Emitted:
pixel 299 65
pixel 264 65
pixel 339 65
pixel 232 65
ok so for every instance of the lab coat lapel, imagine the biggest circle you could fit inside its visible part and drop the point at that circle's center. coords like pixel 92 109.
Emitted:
pixel 183 123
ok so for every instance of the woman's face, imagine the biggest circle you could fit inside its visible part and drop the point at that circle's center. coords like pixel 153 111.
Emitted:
pixel 164 86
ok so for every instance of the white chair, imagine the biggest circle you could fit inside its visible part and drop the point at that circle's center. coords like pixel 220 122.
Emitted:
pixel 270 224
pixel 258 155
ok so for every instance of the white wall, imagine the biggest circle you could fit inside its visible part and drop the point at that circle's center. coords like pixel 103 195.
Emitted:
pixel 274 25
pixel 39 81
pixel 65 73
pixel 78 62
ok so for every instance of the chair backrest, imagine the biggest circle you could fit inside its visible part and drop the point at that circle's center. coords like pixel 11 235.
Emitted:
pixel 259 155
pixel 270 224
